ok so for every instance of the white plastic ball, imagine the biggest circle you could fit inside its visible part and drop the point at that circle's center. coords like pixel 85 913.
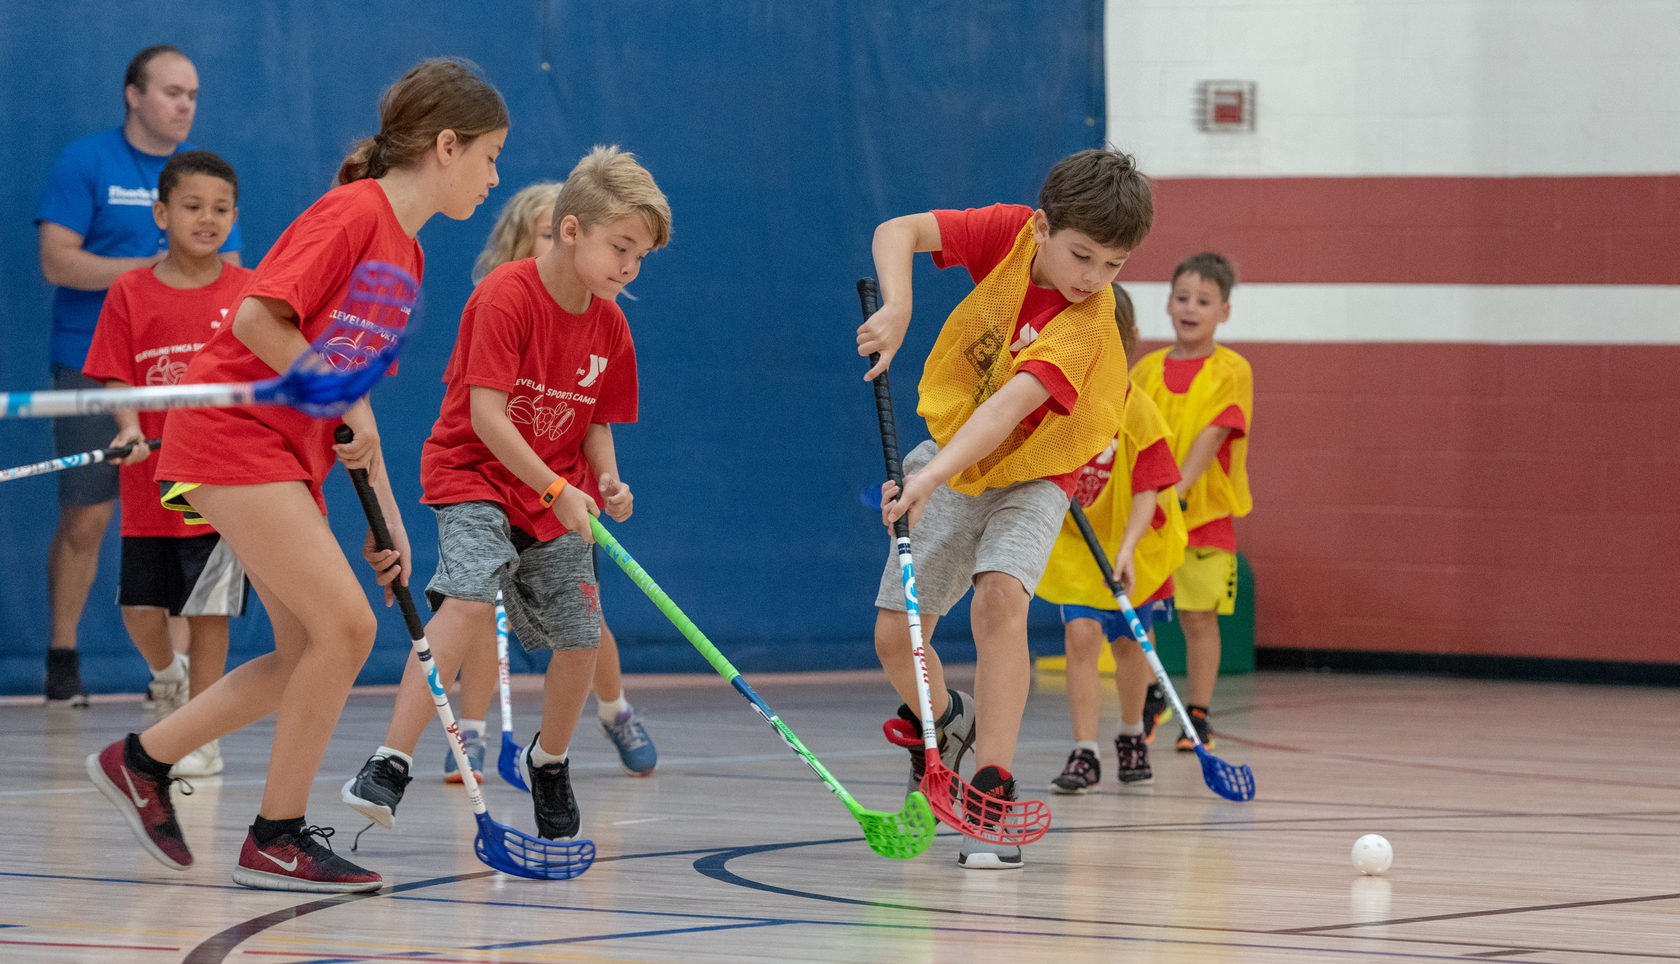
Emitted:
pixel 1372 854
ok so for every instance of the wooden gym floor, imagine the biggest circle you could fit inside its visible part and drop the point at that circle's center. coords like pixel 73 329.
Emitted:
pixel 1531 822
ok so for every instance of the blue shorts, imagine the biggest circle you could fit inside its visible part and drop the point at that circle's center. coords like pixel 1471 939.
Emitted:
pixel 74 434
pixel 1113 621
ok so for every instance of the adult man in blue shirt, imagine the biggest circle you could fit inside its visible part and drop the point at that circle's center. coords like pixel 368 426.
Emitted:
pixel 95 223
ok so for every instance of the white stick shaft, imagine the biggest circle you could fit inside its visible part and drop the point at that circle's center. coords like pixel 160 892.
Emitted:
pixel 913 612
pixel 502 665
pixel 1155 664
pixel 143 398
pixel 446 716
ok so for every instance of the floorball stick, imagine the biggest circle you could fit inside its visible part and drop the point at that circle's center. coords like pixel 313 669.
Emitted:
pixel 75 461
pixel 507 764
pixel 1230 782
pixel 954 800
pixel 341 366
pixel 497 845
pixel 900 835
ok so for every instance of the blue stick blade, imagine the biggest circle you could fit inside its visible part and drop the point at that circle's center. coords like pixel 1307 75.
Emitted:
pixel 1231 782
pixel 508 764
pixel 522 855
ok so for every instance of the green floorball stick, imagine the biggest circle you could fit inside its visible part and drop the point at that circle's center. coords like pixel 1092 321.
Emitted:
pixel 899 835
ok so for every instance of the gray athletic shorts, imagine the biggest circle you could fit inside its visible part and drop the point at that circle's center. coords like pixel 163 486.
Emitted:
pixel 1008 530
pixel 75 434
pixel 549 589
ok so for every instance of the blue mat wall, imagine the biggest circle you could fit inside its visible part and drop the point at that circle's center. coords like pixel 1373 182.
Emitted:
pixel 782 132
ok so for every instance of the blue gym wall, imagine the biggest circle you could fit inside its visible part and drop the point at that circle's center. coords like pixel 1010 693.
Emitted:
pixel 782 133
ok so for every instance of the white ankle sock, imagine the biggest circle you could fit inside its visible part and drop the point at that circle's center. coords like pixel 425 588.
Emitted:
pixel 470 727
pixel 391 754
pixel 1131 729
pixel 608 711
pixel 1086 745
pixel 542 758
pixel 175 672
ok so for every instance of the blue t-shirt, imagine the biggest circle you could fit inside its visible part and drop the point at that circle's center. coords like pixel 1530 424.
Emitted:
pixel 102 188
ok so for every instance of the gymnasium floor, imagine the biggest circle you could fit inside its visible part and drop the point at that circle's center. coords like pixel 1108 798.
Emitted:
pixel 1531 822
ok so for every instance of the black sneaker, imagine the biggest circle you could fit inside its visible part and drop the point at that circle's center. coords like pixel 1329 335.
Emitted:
pixel 1083 771
pixel 377 788
pixel 1134 759
pixel 64 679
pixel 1156 710
pixel 300 862
pixel 1204 729
pixel 982 854
pixel 955 738
pixel 558 817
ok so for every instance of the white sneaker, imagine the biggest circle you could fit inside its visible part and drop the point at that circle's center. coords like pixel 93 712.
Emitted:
pixel 206 761
pixel 169 695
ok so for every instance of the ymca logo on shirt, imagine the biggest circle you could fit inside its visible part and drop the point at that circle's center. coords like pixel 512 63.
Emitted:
pixel 1027 335
pixel 597 365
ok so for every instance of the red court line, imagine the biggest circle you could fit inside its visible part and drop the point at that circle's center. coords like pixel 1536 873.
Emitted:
pixel 1583 230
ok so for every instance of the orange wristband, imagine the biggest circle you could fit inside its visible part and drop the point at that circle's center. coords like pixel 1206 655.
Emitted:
pixel 553 491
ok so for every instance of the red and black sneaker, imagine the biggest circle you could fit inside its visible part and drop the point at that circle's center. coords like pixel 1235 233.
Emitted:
pixel 955 738
pixel 977 854
pixel 298 861
pixel 143 800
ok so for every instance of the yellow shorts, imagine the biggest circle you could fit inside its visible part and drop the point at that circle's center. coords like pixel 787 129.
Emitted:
pixel 1206 581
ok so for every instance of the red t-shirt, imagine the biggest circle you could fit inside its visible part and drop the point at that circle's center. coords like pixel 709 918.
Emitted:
pixel 979 239
pixel 562 372
pixel 309 269
pixel 147 333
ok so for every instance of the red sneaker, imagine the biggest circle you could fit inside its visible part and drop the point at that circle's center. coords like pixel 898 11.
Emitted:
pixel 297 861
pixel 144 803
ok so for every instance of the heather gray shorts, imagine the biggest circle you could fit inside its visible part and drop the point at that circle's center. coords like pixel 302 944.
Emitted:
pixel 549 589
pixel 1008 530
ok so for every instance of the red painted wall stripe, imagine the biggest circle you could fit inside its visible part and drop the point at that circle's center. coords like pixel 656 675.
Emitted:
pixel 1500 500
pixel 1620 230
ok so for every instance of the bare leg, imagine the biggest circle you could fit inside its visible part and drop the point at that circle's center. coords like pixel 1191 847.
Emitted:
pixel 1002 674
pixel 565 690
pixel 457 624
pixel 1132 677
pixel 207 650
pixel 1201 656
pixel 480 670
pixel 180 635
pixel 148 627
pixel 72 564
pixel 323 632
pixel 892 648
pixel 1083 639
pixel 609 684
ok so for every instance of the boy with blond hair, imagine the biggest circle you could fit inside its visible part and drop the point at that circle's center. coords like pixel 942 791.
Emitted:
pixel 1024 384
pixel 520 457
pixel 1206 393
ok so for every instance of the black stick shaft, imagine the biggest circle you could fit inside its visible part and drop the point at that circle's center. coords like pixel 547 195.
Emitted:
pixel 381 536
pixel 869 295
pixel 1094 544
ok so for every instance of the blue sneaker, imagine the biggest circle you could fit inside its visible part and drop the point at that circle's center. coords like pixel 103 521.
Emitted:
pixel 635 749
pixel 475 755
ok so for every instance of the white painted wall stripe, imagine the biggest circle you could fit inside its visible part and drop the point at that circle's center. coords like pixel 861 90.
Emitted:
pixel 1479 314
